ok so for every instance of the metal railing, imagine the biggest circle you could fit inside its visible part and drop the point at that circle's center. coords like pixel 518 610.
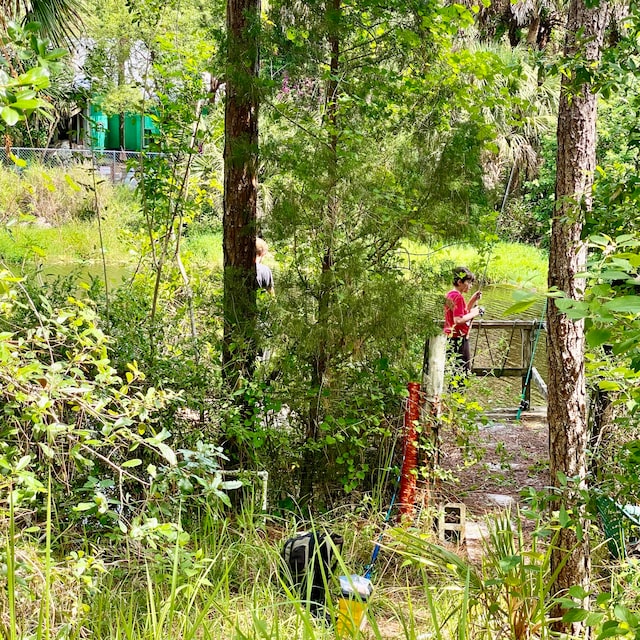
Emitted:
pixel 115 165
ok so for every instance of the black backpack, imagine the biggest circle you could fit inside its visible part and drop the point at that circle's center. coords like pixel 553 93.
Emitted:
pixel 310 556
pixel 297 554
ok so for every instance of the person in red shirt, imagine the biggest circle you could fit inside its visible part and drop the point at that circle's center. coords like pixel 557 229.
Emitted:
pixel 458 315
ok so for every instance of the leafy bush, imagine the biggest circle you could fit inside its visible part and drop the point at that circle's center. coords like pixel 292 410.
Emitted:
pixel 66 412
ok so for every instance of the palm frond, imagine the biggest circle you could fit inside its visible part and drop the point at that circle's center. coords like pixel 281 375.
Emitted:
pixel 60 20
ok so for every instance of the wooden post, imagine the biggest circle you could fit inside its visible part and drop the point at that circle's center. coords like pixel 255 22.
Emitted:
pixel 433 373
pixel 433 388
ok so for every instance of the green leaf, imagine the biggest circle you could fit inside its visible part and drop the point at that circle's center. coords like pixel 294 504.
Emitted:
pixel 597 337
pixel 627 240
pixel 167 453
pixel 76 187
pixel 563 517
pixel 624 304
pixel 521 306
pixel 629 343
pixel 576 314
pixel 19 162
pixel 564 303
pixel 575 615
pixel 624 615
pixel 510 562
pixel 10 116
pixel 84 506
pixel 23 463
pixel 610 629
pixel 33 529
pixel 37 76
pixel 27 104
pixel 47 450
pixel 593 619
pixel 135 462
pixel 578 592
pixel 159 437
pixel 32 27
pixel 613 275
pixel 608 385
pixel 223 497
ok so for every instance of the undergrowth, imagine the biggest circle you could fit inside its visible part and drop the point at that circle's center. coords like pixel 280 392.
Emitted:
pixel 229 582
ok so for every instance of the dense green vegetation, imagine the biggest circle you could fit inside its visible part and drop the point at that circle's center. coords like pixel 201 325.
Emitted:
pixel 397 140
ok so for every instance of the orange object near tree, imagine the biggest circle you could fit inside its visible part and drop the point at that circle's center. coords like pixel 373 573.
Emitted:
pixel 408 476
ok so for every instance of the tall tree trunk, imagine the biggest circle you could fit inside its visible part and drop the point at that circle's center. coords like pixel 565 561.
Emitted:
pixel 240 190
pixel 320 361
pixel 568 433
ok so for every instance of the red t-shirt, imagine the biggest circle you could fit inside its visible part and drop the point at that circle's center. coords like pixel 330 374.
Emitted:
pixel 455 306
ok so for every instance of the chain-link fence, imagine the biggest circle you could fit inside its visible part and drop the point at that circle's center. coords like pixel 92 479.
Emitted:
pixel 114 165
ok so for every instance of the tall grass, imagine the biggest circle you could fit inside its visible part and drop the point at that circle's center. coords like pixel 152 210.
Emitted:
pixel 229 583
pixel 205 248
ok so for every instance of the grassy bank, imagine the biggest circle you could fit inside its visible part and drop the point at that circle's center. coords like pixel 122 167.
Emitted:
pixel 50 216
pixel 57 216
pixel 60 218
pixel 519 265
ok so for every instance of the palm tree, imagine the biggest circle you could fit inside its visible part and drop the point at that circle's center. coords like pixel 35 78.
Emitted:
pixel 60 20
pixel 519 124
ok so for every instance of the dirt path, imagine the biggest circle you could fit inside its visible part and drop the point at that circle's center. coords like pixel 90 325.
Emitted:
pixel 515 456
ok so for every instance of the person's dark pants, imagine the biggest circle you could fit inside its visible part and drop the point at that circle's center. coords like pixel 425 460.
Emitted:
pixel 460 346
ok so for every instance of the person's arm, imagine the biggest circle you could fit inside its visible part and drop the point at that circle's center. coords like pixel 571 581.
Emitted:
pixel 475 298
pixel 461 313
pixel 469 315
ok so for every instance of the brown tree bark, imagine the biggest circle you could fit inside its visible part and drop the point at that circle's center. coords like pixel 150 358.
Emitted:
pixel 240 190
pixel 567 408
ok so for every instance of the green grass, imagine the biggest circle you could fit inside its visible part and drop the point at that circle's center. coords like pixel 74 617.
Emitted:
pixel 74 242
pixel 205 248
pixel 520 265
pixel 49 217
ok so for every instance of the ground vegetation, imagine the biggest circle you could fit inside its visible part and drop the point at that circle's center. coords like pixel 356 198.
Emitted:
pixel 387 134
